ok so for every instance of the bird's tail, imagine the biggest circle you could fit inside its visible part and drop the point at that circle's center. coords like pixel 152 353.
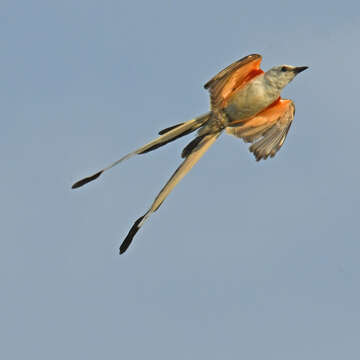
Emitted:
pixel 194 152
pixel 167 135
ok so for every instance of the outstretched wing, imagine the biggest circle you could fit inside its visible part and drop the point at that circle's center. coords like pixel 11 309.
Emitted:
pixel 267 130
pixel 232 78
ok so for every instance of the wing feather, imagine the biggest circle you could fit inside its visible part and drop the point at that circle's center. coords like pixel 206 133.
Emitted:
pixel 267 130
pixel 232 78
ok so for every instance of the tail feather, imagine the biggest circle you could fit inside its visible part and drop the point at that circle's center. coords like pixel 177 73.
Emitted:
pixel 165 141
pixel 134 229
pixel 164 131
pixel 167 135
pixel 86 180
pixel 191 146
pixel 192 158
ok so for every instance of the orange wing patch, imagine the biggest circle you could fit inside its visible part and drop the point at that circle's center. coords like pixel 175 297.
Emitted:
pixel 267 130
pixel 233 78
pixel 238 80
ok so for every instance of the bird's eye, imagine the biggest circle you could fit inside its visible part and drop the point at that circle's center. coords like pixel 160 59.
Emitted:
pixel 283 68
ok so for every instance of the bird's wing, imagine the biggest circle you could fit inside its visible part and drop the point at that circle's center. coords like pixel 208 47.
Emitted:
pixel 232 78
pixel 267 130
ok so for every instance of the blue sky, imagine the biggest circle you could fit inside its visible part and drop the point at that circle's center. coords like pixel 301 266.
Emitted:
pixel 244 259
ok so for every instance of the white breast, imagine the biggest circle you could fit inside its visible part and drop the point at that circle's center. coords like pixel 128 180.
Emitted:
pixel 251 99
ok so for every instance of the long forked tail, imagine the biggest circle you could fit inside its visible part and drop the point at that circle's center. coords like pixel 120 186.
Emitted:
pixel 167 135
pixel 191 159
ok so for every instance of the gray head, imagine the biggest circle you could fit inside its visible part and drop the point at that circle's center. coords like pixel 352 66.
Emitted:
pixel 280 76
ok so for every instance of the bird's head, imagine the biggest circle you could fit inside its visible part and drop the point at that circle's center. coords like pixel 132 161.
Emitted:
pixel 280 76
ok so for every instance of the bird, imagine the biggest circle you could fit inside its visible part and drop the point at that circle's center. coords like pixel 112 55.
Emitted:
pixel 245 102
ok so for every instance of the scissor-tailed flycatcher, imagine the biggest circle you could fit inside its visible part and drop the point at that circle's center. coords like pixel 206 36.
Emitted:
pixel 246 103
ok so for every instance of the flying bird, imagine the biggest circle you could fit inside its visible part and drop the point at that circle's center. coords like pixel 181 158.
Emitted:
pixel 245 102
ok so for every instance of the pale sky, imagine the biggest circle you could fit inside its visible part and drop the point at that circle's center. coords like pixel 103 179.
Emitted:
pixel 244 260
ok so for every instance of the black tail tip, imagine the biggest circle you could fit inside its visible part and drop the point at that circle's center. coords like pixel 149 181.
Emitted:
pixel 164 131
pixel 191 146
pixel 86 180
pixel 129 238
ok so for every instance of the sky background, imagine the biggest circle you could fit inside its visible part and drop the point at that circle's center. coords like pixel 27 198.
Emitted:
pixel 244 260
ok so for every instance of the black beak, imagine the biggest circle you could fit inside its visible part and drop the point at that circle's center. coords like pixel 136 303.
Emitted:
pixel 299 69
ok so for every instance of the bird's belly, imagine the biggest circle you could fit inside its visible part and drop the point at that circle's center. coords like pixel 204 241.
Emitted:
pixel 247 103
